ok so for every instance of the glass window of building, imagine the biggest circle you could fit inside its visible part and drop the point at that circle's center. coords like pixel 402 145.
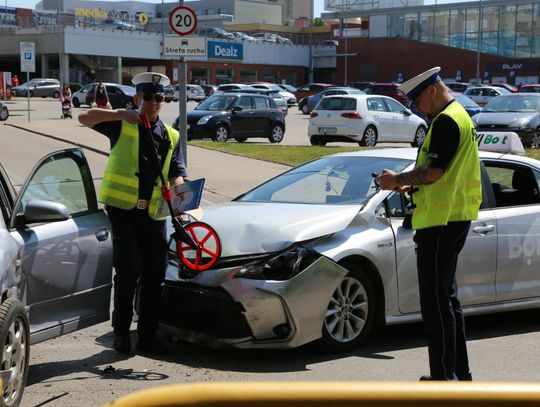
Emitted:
pixel 411 26
pixel 396 25
pixel 524 23
pixel 507 29
pixel 536 31
pixel 472 24
pixel 224 75
pixel 426 26
pixel 441 27
pixel 247 75
pixel 270 76
pixel 199 75
pixel 457 28
pixel 490 29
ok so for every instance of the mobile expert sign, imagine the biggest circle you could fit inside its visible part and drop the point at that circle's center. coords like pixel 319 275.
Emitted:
pixel 28 56
pixel 225 51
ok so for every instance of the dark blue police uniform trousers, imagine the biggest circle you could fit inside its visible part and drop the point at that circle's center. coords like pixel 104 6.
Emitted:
pixel 139 250
pixel 437 255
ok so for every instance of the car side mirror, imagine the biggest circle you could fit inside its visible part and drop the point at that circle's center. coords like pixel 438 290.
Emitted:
pixel 407 112
pixel 237 108
pixel 42 211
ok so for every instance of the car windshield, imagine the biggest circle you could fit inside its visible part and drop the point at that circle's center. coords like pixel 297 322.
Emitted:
pixel 128 90
pixel 216 102
pixel 513 103
pixel 332 180
pixel 465 101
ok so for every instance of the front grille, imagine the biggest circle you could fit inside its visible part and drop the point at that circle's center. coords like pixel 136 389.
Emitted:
pixel 491 127
pixel 209 311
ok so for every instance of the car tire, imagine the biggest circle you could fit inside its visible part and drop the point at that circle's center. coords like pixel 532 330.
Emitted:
pixel 369 139
pixel 241 139
pixel 129 105
pixel 15 342
pixel 304 109
pixel 4 114
pixel 221 133
pixel 419 136
pixel 317 142
pixel 276 134
pixel 76 102
pixel 56 94
pixel 350 314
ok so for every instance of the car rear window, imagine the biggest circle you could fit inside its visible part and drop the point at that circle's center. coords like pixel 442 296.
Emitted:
pixel 337 104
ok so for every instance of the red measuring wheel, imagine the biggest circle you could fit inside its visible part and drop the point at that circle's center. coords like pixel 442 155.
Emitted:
pixel 208 252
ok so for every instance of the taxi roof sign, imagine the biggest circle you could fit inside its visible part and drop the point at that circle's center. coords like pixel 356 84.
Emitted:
pixel 505 142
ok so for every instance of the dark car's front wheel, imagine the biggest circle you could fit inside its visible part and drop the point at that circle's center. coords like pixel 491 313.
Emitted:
pixel 221 133
pixel 276 134
pixel 15 342
pixel 4 114
pixel 56 94
pixel 350 313
pixel 129 105
pixel 76 102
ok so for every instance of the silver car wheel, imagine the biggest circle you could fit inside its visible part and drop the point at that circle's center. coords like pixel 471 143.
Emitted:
pixel 348 310
pixel 277 134
pixel 4 114
pixel 222 134
pixel 305 109
pixel 419 136
pixel 370 137
pixel 14 332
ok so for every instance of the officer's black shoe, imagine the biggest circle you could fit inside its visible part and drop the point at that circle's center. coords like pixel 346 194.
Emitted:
pixel 465 378
pixel 122 343
pixel 425 378
pixel 151 346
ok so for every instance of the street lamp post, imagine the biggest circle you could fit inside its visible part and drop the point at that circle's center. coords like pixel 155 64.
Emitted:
pixel 480 29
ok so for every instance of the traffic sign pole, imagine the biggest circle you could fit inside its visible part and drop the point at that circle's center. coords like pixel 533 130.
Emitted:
pixel 28 64
pixel 182 21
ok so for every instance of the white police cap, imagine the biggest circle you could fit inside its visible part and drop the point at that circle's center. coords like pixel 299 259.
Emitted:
pixel 150 82
pixel 413 87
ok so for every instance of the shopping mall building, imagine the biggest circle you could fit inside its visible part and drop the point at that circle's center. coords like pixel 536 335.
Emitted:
pixel 82 40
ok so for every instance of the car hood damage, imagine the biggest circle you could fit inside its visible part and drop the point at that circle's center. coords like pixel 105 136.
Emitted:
pixel 250 227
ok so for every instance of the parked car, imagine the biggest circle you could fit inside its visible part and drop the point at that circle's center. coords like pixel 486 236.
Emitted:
pixel 387 89
pixel 236 115
pixel 119 24
pixel 120 96
pixel 516 112
pixel 507 86
pixel 214 32
pixel 319 253
pixel 329 43
pixel 243 36
pixel 311 101
pixel 469 105
pixel 78 97
pixel 209 90
pixel 360 85
pixel 287 87
pixel 280 101
pixel 232 86
pixel 38 87
pixel 4 112
pixel 195 92
pixel 529 89
pixel 170 94
pixel 55 261
pixel 288 96
pixel 458 86
pixel 283 40
pixel 309 89
pixel 483 94
pixel 266 37
pixel 364 119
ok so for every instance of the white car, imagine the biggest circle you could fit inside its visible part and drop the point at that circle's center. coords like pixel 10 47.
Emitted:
pixel 79 98
pixel 482 95
pixel 288 96
pixel 364 119
pixel 193 92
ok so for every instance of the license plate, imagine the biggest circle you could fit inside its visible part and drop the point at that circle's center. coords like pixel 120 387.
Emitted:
pixel 327 130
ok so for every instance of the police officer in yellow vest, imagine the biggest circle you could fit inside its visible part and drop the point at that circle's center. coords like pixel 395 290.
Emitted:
pixel 131 192
pixel 446 181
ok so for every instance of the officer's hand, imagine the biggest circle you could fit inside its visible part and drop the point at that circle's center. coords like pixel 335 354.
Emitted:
pixel 387 180
pixel 130 116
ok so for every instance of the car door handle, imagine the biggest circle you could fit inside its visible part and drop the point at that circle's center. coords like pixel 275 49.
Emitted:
pixel 484 229
pixel 102 234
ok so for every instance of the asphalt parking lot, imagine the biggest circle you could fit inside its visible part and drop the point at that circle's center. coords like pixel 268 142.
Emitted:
pixel 81 369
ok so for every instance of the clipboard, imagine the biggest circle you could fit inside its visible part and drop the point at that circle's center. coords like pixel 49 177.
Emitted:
pixel 187 196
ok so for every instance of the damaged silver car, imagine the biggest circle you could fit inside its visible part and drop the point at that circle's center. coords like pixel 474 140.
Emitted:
pixel 320 253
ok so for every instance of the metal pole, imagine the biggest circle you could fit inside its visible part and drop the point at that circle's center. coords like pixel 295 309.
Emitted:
pixel 479 42
pixel 346 48
pixel 182 100
pixel 28 93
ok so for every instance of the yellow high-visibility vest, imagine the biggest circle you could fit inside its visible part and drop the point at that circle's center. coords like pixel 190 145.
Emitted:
pixel 457 195
pixel 120 186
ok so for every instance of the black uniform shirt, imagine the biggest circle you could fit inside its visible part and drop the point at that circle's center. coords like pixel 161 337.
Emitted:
pixel 148 171
pixel 445 138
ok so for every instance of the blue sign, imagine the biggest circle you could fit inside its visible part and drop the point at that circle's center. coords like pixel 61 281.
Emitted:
pixel 225 50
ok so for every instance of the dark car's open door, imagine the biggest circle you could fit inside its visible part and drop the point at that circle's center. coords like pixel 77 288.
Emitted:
pixel 65 247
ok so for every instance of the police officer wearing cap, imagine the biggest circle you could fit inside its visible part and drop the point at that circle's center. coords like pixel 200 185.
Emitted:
pixel 446 181
pixel 131 191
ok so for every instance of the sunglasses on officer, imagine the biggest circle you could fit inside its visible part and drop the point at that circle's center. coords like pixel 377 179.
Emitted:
pixel 148 97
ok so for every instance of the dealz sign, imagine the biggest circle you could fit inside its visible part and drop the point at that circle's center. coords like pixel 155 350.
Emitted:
pixel 225 51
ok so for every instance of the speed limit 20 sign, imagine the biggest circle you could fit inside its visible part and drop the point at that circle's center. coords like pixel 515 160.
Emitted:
pixel 183 20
